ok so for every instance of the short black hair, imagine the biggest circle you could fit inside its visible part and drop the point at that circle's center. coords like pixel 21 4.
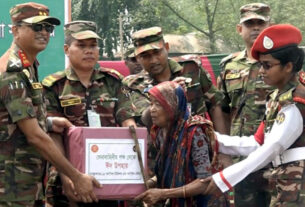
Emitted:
pixel 291 53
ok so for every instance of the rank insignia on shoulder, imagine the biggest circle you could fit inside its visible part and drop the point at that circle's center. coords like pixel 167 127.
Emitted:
pixel 280 118
pixel 231 76
pixel 37 85
pixel 302 77
pixel 70 102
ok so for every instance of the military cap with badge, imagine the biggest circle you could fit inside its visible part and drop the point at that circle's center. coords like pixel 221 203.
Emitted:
pixel 34 15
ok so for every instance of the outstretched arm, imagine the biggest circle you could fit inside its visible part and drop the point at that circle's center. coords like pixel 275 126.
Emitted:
pixel 280 138
pixel 84 184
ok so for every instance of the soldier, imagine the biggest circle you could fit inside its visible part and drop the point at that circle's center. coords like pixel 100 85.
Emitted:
pixel 87 95
pixel 131 61
pixel 152 53
pixel 245 94
pixel 24 143
pixel 280 138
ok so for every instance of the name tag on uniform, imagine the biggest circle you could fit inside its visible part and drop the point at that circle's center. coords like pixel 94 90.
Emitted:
pixel 93 119
pixel 36 85
pixel 232 76
pixel 70 102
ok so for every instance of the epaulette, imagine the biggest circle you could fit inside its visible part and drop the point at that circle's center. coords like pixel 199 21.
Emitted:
pixel 299 94
pixel 228 58
pixel 51 79
pixel 112 72
pixel 286 97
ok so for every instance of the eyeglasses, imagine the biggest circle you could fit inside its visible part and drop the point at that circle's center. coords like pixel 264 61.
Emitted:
pixel 267 65
pixel 39 27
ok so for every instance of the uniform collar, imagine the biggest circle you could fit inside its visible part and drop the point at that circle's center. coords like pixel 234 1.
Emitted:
pixel 243 56
pixel 289 86
pixel 17 59
pixel 97 73
pixel 174 66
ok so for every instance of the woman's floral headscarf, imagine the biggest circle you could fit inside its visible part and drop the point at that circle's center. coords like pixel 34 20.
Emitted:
pixel 173 165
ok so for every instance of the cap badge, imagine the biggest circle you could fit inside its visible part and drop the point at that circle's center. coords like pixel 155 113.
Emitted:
pixel 42 13
pixel 268 43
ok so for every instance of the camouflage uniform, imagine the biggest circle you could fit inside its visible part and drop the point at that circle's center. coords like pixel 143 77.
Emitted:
pixel 201 93
pixel 289 179
pixel 21 166
pixel 245 94
pixel 67 97
pixel 21 97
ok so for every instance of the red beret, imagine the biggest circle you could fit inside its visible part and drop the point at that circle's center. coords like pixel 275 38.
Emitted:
pixel 275 37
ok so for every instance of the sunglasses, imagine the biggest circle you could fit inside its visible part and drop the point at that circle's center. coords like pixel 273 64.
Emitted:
pixel 267 65
pixel 39 27
pixel 252 22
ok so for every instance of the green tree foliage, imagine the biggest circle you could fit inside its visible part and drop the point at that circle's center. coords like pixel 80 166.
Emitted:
pixel 214 20
pixel 106 14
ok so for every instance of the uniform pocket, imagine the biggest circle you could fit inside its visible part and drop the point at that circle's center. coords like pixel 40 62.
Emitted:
pixel 105 108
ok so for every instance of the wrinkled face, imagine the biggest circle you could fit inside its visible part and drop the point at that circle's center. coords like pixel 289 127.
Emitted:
pixel 83 54
pixel 133 66
pixel 249 30
pixel 155 61
pixel 30 40
pixel 158 115
pixel 272 72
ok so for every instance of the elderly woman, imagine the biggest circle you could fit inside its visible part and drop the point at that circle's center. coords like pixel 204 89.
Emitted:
pixel 279 143
pixel 184 153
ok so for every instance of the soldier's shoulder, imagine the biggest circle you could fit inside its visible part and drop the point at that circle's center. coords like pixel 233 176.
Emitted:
pixel 50 80
pixel 134 79
pixel 228 59
pixel 299 92
pixel 112 72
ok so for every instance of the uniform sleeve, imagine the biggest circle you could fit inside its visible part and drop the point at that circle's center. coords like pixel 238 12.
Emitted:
pixel 211 93
pixel 221 87
pixel 235 145
pixel 200 154
pixel 16 95
pixel 52 102
pixel 124 108
pixel 285 131
pixel 139 101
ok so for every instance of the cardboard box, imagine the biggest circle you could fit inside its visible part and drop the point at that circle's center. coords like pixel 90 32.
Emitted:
pixel 108 153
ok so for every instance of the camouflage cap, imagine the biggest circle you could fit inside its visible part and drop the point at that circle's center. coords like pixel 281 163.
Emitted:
pixel 147 39
pixel 32 13
pixel 254 11
pixel 81 30
pixel 129 52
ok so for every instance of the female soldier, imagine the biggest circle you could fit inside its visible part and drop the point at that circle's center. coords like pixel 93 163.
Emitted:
pixel 279 143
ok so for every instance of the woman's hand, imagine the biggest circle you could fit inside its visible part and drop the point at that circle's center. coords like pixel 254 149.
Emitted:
pixel 212 187
pixel 151 196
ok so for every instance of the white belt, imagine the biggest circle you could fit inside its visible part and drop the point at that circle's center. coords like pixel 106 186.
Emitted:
pixel 290 155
